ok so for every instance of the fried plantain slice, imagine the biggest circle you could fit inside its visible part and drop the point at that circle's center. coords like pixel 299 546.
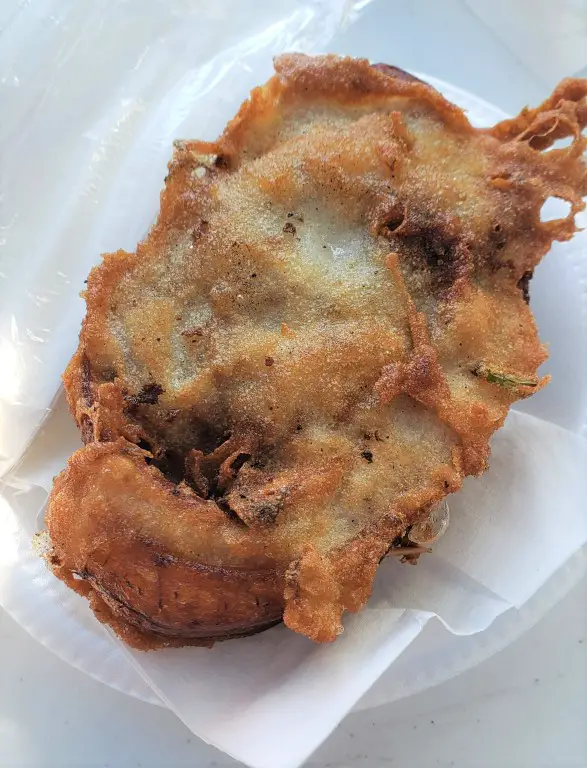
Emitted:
pixel 310 349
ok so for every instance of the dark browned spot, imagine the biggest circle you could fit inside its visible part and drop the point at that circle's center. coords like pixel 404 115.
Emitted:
pixel 399 74
pixel 86 382
pixel 395 220
pixel 172 465
pixel 207 437
pixel 147 395
pixel 108 374
pixel 289 228
pixel 442 254
pixel 238 461
pixel 161 560
pixel 269 361
pixel 87 429
pixel 223 504
pixel 200 229
pixel 497 239
pixel 524 285
pixel 367 455
pixel 266 514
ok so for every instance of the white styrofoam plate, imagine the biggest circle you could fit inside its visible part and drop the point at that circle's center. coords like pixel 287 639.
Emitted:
pixel 61 620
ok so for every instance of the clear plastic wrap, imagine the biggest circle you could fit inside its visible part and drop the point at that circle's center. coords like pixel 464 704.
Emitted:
pixel 93 96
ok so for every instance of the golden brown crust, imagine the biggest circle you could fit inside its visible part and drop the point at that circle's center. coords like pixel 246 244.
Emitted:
pixel 140 579
pixel 311 348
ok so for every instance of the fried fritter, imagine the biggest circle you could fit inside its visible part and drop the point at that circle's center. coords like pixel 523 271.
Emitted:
pixel 310 349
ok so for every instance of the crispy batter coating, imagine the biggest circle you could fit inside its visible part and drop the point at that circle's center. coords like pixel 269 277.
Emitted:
pixel 310 349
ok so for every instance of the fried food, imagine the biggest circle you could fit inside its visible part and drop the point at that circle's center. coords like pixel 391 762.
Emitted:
pixel 311 348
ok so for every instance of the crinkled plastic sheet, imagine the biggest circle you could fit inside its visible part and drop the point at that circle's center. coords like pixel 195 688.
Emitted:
pixel 93 94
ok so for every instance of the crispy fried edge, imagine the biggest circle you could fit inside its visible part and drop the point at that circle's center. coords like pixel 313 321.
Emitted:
pixel 313 578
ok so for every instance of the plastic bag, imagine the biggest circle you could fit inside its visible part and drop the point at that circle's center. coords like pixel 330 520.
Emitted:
pixel 93 96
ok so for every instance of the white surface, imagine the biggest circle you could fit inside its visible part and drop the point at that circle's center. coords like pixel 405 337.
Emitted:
pixel 521 722
pixel 524 708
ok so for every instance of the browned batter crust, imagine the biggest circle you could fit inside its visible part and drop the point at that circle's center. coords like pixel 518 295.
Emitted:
pixel 310 349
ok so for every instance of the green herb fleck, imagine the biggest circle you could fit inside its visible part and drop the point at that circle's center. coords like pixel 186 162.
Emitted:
pixel 503 379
